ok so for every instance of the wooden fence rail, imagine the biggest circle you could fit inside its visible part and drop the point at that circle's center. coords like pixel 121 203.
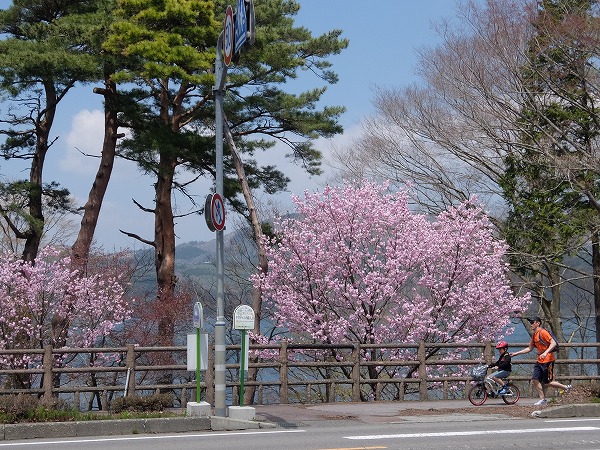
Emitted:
pixel 293 372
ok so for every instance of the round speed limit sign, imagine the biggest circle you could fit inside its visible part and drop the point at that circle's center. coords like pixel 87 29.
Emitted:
pixel 217 212
pixel 228 36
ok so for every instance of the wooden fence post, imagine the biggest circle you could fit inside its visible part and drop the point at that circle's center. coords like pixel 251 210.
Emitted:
pixel 183 398
pixel 104 400
pixel 47 364
pixel 283 372
pixel 77 400
pixel 130 362
pixel 488 353
pixel 422 372
pixel 356 373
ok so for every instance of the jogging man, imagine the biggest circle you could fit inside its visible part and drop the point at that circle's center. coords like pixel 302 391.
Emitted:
pixel 543 371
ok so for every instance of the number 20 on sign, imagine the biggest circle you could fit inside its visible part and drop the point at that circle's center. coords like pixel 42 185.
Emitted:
pixel 228 36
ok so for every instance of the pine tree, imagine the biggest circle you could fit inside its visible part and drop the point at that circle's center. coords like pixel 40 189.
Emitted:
pixel 171 51
pixel 550 193
pixel 43 56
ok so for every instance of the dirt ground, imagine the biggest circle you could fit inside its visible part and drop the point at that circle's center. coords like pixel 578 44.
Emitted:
pixel 523 408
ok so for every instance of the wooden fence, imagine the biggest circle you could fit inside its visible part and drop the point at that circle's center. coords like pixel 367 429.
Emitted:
pixel 294 373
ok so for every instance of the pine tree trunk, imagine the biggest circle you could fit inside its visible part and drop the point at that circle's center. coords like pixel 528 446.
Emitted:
pixel 81 247
pixel 34 233
pixel 164 251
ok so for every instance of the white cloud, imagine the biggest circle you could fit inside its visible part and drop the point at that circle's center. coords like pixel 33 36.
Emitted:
pixel 300 181
pixel 84 138
pixel 118 212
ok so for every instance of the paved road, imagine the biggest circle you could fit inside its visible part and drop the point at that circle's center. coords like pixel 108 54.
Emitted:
pixel 426 433
pixel 328 420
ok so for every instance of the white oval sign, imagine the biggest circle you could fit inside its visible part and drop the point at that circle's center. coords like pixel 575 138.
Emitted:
pixel 243 318
pixel 198 317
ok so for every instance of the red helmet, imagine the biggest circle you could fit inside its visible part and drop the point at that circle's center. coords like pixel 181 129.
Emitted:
pixel 502 344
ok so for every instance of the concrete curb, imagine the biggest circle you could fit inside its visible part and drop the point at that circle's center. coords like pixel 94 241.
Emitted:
pixel 226 424
pixel 566 411
pixel 126 426
pixel 53 430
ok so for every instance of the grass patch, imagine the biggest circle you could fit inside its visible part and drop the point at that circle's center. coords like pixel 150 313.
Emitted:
pixel 26 408
pixel 150 403
pixel 595 391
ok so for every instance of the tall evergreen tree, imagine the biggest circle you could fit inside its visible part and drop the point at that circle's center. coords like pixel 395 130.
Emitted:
pixel 170 46
pixel 42 59
pixel 550 193
pixel 108 64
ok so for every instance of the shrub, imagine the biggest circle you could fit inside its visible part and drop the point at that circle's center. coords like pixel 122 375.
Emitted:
pixel 16 407
pixel 23 407
pixel 155 402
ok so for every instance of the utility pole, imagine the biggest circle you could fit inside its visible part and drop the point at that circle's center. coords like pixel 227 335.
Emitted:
pixel 244 32
pixel 220 76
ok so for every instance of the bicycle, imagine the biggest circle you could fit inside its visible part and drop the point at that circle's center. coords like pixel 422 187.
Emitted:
pixel 485 387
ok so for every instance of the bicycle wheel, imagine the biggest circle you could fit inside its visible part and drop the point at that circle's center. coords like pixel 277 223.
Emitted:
pixel 477 394
pixel 513 394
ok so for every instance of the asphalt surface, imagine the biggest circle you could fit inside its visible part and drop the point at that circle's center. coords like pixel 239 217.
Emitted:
pixel 298 415
pixel 381 412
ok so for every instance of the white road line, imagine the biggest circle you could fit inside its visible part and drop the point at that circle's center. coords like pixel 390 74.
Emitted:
pixel 142 438
pixel 468 433
pixel 581 419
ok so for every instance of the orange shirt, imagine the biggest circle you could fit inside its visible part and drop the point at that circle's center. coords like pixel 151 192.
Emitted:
pixel 542 346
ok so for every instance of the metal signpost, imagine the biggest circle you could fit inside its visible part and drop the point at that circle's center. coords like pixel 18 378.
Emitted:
pixel 243 319
pixel 225 49
pixel 198 324
pixel 197 355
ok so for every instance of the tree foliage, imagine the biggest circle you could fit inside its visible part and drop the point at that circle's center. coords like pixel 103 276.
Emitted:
pixel 170 49
pixel 156 60
pixel 32 295
pixel 550 188
pixel 546 214
pixel 364 268
pixel 505 109
pixel 44 54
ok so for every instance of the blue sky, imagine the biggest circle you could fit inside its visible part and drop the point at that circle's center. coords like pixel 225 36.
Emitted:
pixel 384 36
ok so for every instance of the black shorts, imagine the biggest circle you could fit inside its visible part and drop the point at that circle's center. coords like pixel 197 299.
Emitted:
pixel 543 372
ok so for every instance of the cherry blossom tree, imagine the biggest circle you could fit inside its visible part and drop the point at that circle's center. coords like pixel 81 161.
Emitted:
pixel 32 294
pixel 357 265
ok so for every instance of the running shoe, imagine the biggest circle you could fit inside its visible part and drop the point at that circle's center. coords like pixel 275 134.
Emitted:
pixel 541 402
pixel 565 391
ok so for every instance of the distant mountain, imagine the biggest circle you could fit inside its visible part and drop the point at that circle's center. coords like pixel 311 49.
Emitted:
pixel 196 259
pixel 196 252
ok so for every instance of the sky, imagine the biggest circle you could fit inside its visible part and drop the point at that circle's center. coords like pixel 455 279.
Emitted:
pixel 384 38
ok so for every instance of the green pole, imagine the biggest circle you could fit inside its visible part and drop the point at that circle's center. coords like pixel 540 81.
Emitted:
pixel 242 367
pixel 198 365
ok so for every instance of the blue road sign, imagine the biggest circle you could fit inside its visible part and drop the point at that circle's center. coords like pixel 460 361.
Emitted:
pixel 240 25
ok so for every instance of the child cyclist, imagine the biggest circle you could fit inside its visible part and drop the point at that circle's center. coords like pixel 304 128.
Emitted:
pixel 503 367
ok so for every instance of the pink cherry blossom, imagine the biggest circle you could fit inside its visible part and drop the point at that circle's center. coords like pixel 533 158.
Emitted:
pixel 32 295
pixel 355 264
